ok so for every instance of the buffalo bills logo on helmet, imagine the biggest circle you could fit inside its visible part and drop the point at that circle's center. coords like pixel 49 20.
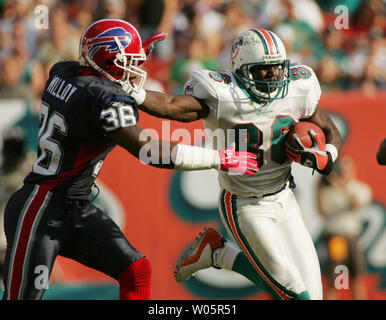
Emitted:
pixel 107 40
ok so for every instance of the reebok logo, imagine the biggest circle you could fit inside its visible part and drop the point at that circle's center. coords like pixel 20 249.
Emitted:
pixel 55 223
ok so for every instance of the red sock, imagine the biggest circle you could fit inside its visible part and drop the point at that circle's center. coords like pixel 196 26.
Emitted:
pixel 135 281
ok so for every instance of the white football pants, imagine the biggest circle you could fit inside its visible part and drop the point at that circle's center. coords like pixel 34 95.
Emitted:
pixel 271 233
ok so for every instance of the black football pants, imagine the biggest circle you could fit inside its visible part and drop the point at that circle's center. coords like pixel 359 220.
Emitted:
pixel 40 225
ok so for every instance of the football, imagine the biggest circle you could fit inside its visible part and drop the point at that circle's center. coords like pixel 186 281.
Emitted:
pixel 301 129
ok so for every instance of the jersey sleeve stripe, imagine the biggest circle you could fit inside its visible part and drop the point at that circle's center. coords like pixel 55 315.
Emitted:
pixel 119 98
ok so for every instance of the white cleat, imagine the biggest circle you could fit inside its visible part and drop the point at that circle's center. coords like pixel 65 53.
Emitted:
pixel 200 255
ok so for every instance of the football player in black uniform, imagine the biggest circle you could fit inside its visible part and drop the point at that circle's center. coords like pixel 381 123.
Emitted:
pixel 85 112
pixel 381 153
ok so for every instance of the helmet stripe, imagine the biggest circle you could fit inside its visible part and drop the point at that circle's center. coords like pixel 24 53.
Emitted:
pixel 263 40
pixel 271 45
pixel 274 40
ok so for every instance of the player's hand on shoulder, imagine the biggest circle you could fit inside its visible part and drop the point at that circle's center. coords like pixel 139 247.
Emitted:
pixel 315 157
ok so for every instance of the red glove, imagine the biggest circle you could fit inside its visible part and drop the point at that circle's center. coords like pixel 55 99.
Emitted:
pixel 149 44
pixel 315 157
pixel 236 161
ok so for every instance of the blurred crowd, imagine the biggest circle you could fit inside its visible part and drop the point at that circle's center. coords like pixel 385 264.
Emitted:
pixel 201 33
pixel 341 197
pixel 345 45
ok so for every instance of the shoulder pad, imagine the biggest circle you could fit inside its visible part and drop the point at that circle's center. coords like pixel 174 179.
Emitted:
pixel 305 82
pixel 302 76
pixel 101 88
pixel 202 84
pixel 62 66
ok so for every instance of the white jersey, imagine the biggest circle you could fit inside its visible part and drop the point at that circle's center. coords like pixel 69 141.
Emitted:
pixel 262 126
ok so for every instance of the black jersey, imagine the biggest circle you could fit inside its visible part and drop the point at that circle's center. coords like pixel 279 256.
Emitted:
pixel 78 110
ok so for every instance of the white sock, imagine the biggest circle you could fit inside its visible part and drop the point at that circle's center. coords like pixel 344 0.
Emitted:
pixel 225 256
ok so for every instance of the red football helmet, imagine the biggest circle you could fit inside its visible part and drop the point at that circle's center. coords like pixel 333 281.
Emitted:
pixel 114 49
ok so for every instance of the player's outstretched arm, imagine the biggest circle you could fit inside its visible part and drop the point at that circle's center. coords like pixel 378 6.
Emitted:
pixel 168 106
pixel 135 140
pixel 169 155
pixel 177 107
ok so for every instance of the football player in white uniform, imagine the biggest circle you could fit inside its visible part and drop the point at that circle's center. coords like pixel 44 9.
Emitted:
pixel 259 99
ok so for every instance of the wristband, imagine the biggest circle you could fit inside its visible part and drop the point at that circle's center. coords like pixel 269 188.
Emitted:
pixel 332 150
pixel 187 157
